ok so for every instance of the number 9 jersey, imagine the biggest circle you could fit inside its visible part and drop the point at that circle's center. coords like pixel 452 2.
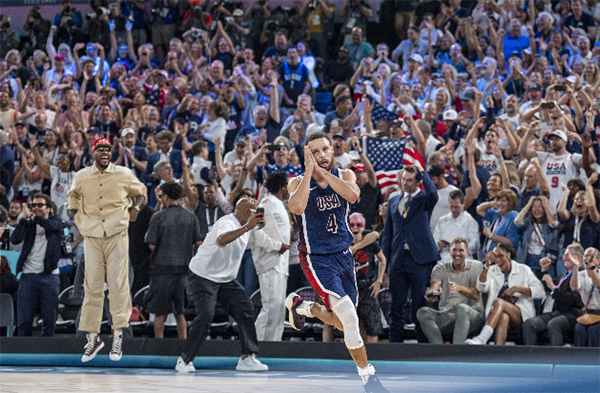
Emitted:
pixel 323 227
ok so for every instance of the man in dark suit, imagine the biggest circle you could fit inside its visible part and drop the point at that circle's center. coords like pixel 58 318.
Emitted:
pixel 408 244
pixel 164 140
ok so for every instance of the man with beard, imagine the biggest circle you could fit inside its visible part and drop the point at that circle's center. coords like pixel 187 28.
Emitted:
pixel 14 210
pixel 320 199
pixel 102 201
pixel 511 113
pixel 337 71
pixel 460 309
pixel 130 154
pixel 559 166
pixel 8 116
pixel 280 149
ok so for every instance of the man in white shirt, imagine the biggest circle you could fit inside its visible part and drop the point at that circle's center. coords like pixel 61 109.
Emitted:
pixel 340 156
pixel 559 166
pixel 442 207
pixel 457 222
pixel 215 267
pixel 271 257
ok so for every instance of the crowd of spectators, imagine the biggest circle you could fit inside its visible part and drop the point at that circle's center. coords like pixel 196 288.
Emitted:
pixel 498 100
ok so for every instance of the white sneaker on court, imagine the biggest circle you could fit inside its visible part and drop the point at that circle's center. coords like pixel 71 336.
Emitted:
pixel 184 367
pixel 251 363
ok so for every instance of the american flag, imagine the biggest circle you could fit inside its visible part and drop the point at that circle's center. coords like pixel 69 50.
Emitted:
pixel 379 112
pixel 388 156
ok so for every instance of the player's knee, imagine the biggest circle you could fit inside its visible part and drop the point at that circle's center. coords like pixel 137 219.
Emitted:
pixel 346 313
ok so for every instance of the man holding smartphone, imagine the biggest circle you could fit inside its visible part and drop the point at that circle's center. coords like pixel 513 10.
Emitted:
pixel 453 287
pixel 214 268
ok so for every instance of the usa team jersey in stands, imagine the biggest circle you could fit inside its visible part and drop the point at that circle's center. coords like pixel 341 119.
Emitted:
pixel 323 227
pixel 559 170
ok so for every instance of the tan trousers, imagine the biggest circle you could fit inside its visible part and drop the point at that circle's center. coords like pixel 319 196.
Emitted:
pixel 401 23
pixel 106 260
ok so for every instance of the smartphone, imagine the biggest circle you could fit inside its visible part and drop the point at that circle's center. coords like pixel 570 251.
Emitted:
pixel 560 88
pixel 260 211
pixel 432 294
pixel 547 105
pixel 274 148
pixel 489 121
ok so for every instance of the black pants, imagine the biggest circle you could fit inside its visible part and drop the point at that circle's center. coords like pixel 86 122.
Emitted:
pixel 233 298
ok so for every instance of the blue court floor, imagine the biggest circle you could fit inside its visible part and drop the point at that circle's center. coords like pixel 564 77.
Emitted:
pixel 333 376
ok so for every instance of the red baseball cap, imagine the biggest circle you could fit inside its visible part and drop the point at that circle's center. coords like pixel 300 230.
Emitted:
pixel 358 167
pixel 60 56
pixel 101 141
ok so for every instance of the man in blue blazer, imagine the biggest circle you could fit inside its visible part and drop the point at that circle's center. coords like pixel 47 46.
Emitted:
pixel 164 140
pixel 408 244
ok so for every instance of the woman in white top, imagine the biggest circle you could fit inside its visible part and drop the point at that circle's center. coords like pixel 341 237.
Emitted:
pixel 28 177
pixel 216 125
pixel 511 289
pixel 587 282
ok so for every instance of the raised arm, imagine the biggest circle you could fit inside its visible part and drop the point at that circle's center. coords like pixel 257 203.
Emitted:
pixel 561 210
pixel 592 209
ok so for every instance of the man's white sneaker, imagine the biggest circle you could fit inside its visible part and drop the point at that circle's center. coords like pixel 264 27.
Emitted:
pixel 475 341
pixel 184 367
pixel 251 363
pixel 116 351
pixel 92 347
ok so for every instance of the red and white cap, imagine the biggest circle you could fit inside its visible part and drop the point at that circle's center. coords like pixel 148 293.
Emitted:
pixel 101 142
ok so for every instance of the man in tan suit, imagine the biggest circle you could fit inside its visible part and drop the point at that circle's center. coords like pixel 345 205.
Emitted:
pixel 102 200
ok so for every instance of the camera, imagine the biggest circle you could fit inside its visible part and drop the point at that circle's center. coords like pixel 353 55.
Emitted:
pixel 67 10
pixel 6 25
pixel 70 22
pixel 262 2
pixel 35 12
pixel 547 105
pixel 272 25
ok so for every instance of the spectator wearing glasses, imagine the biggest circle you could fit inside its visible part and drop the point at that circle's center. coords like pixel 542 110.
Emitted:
pixel 38 262
pixel 511 289
pixel 102 200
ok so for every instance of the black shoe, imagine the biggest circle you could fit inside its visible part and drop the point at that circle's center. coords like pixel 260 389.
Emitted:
pixel 373 385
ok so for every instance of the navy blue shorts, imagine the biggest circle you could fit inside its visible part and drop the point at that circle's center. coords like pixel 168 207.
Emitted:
pixel 331 274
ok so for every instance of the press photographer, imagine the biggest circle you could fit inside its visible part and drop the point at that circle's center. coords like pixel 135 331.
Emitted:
pixel 37 27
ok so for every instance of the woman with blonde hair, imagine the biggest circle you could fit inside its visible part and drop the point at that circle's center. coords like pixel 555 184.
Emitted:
pixel 442 101
pixel 591 74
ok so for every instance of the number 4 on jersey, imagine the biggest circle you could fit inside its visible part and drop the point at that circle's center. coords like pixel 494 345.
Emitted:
pixel 332 224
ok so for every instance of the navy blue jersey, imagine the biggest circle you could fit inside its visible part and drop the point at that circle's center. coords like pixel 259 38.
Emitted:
pixel 323 226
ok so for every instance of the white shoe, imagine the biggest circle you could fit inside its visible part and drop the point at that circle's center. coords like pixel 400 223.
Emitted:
pixel 475 341
pixel 116 351
pixel 183 367
pixel 251 363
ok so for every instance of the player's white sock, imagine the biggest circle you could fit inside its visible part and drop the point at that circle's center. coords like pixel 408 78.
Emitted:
pixel 305 308
pixel 117 332
pixel 92 336
pixel 486 333
pixel 366 372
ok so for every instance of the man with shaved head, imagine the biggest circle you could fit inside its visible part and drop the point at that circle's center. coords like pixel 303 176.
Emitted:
pixel 215 267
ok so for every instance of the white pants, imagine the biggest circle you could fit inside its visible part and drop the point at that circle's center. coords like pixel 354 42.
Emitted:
pixel 269 324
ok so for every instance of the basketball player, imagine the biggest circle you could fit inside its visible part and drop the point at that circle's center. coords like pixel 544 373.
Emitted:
pixel 559 166
pixel 320 199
